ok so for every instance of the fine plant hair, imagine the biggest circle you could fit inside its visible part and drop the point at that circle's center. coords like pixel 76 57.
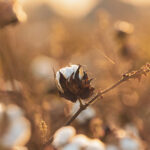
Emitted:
pixel 137 74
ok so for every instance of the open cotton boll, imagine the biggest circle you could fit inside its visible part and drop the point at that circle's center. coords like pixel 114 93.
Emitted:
pixel 112 147
pixel 132 130
pixel 14 112
pixel 63 135
pixel 78 142
pixel 9 87
pixel 85 115
pixel 17 134
pixel 71 146
pixel 95 145
pixel 73 83
pixel 67 72
pixel 128 143
pixel 18 131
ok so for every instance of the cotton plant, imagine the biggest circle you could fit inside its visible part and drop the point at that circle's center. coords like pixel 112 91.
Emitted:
pixel 63 136
pixel 73 83
pixel 112 147
pixel 66 138
pixel 17 130
pixel 128 141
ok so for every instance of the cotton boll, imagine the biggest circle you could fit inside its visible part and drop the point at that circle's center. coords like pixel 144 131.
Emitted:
pixel 17 134
pixel 132 130
pixel 14 112
pixel 128 143
pixel 73 83
pixel 95 145
pixel 42 67
pixel 112 147
pixel 71 146
pixel 85 115
pixel 63 136
pixel 18 129
pixel 67 72
pixel 80 140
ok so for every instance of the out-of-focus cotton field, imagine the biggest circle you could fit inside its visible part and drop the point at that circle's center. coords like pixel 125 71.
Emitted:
pixel 108 38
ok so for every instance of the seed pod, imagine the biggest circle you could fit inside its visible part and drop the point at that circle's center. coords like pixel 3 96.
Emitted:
pixel 73 83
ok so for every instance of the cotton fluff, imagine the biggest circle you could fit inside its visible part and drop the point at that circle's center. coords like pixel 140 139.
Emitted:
pixel 85 115
pixel 67 72
pixel 71 146
pixel 95 145
pixel 112 147
pixel 78 142
pixel 63 136
pixel 42 67
pixel 18 131
pixel 128 143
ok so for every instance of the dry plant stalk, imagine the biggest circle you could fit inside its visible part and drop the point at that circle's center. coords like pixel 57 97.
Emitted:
pixel 137 74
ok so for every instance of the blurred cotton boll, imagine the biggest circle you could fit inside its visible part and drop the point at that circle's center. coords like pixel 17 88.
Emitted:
pixel 63 136
pixel 128 143
pixel 71 146
pixel 112 147
pixel 18 127
pixel 73 8
pixel 95 145
pixel 42 67
pixel 85 115
pixel 78 142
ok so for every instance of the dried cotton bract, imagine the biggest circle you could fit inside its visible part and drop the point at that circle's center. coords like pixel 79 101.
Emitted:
pixel 73 83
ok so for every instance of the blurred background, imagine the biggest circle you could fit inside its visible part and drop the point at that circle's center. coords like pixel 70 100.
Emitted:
pixel 107 37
